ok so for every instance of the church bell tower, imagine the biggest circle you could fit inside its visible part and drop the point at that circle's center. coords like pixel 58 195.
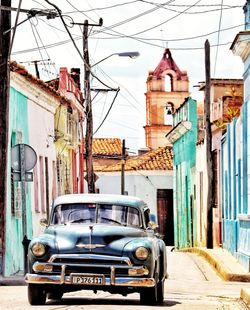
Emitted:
pixel 167 88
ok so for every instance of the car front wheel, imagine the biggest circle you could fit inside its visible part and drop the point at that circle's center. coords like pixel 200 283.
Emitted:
pixel 55 295
pixel 148 296
pixel 36 294
pixel 160 291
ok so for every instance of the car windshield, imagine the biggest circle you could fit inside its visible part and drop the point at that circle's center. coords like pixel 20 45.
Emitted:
pixel 95 213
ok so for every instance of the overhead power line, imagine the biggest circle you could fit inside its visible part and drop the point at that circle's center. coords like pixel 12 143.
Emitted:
pixel 116 37
pixel 15 26
pixel 118 89
pixel 141 40
pixel 167 7
pixel 166 21
pixel 104 8
pixel 73 41
pixel 218 38
pixel 143 14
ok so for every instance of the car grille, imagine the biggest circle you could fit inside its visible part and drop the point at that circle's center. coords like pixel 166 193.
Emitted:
pixel 89 263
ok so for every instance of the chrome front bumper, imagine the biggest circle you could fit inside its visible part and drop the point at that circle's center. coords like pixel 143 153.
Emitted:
pixel 119 281
pixel 43 271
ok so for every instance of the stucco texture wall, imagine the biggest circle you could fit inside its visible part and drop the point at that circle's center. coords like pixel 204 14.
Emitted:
pixel 18 123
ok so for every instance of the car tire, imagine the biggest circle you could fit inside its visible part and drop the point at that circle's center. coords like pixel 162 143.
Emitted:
pixel 55 295
pixel 148 296
pixel 160 292
pixel 36 294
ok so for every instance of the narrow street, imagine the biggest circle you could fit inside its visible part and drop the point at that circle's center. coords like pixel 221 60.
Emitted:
pixel 192 284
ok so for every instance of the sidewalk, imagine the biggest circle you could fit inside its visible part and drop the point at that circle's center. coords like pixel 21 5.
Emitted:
pixel 16 280
pixel 226 266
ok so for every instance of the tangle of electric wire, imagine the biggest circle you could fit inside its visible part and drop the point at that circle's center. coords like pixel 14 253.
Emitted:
pixel 77 49
pixel 190 6
pixel 141 40
pixel 103 8
pixel 172 40
pixel 168 20
pixel 55 70
pixel 131 18
pixel 78 10
pixel 32 29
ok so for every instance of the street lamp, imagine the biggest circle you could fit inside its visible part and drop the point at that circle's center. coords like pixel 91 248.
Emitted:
pixel 124 54
pixel 89 117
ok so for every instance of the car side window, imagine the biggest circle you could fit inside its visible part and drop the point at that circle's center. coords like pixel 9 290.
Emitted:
pixel 57 216
pixel 133 217
pixel 146 216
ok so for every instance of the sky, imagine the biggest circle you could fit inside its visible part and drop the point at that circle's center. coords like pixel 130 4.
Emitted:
pixel 145 26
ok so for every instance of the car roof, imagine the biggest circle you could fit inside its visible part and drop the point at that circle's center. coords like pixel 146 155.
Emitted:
pixel 100 198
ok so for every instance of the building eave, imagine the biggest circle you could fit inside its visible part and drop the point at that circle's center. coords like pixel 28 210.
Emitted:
pixel 178 131
pixel 241 44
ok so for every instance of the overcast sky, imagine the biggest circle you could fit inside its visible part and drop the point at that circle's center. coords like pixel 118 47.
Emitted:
pixel 146 26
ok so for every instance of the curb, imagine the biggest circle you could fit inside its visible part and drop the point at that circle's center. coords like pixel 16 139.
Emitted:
pixel 245 296
pixel 12 281
pixel 218 265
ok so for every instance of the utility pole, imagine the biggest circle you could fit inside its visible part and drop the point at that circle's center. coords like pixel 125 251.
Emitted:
pixel 36 62
pixel 36 68
pixel 89 116
pixel 123 167
pixel 208 148
pixel 5 24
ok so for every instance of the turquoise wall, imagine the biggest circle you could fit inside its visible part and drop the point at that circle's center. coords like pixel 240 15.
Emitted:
pixel 184 162
pixel 18 129
pixel 235 216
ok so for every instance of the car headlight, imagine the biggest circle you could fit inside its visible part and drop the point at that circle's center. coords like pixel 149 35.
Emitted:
pixel 141 253
pixel 38 249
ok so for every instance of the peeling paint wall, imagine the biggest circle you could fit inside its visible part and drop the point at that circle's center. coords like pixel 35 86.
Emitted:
pixel 235 192
pixel 184 148
pixel 18 133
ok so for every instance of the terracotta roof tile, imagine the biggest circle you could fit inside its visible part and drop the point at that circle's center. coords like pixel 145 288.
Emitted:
pixel 111 147
pixel 159 159
pixel 20 69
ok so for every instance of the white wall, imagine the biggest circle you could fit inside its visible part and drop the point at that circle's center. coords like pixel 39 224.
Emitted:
pixel 41 110
pixel 201 201
pixel 143 184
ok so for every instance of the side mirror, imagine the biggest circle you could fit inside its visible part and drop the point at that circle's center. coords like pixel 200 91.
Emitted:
pixel 44 222
pixel 152 225
pixel 152 222
pixel 152 218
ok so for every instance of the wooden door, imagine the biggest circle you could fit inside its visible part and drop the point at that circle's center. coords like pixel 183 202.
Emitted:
pixel 165 215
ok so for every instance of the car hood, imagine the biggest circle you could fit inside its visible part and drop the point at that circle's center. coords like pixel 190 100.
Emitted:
pixel 97 238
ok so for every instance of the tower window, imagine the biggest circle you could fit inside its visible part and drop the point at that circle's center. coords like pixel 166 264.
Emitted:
pixel 168 83
pixel 168 115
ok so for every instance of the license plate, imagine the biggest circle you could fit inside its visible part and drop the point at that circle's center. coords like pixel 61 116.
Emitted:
pixel 87 280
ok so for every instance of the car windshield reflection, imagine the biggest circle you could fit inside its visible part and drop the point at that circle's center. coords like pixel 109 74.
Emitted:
pixel 112 214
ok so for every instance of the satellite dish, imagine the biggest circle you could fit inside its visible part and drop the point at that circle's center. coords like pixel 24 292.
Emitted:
pixel 30 157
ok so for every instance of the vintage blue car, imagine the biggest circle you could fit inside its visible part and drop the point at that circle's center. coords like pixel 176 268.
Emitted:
pixel 97 242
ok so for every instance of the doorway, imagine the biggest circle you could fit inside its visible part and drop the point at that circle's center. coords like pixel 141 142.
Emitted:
pixel 165 215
